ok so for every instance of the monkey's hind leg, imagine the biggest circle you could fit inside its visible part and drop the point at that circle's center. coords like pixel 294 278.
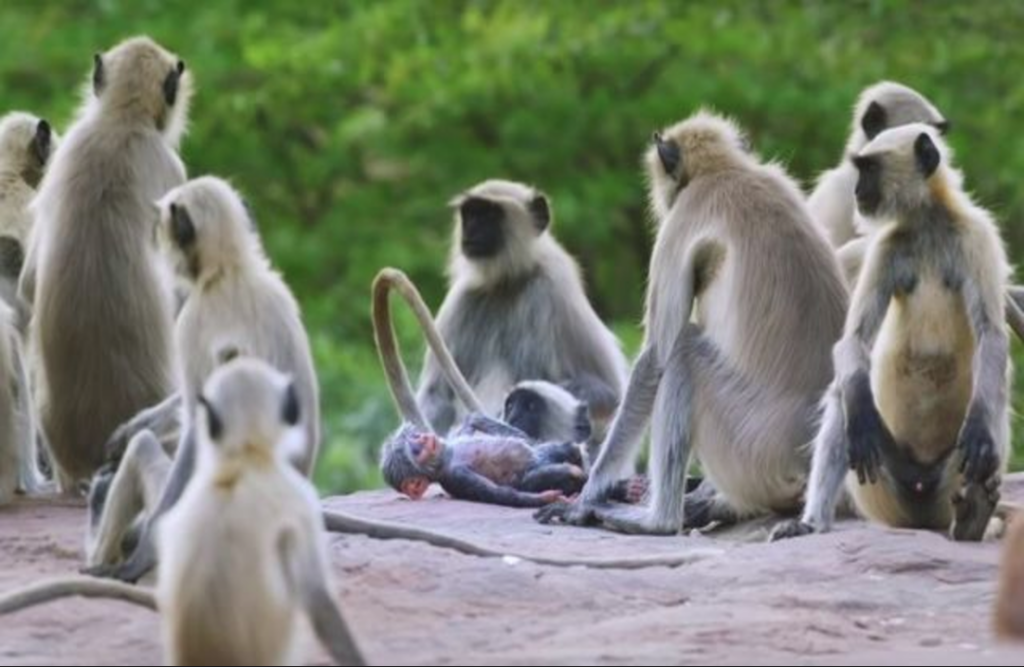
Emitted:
pixel 973 507
pixel 135 488
pixel 829 466
pixel 671 444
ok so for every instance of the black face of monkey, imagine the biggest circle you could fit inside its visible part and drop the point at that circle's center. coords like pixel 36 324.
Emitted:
pixel 483 234
pixel 525 409
pixel 869 183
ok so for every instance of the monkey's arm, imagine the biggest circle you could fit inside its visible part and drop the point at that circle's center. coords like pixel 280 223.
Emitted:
pixel 982 455
pixel 144 558
pixel 464 484
pixel 481 423
pixel 306 570
pixel 867 435
pixel 163 420
pixel 618 449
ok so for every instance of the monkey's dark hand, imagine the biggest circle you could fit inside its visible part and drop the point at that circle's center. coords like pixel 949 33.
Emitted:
pixel 979 460
pixel 790 529
pixel 868 437
pixel 569 513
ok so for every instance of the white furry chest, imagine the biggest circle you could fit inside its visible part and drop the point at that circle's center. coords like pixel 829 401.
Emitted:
pixel 491 390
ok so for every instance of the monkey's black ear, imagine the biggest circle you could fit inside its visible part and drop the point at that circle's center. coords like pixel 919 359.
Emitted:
pixel 668 153
pixel 291 410
pixel 182 228
pixel 944 127
pixel 874 120
pixel 540 209
pixel 213 423
pixel 927 154
pixel 41 141
pixel 171 84
pixel 98 75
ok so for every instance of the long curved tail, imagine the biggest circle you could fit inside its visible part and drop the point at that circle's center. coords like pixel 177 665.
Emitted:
pixel 84 587
pixel 390 356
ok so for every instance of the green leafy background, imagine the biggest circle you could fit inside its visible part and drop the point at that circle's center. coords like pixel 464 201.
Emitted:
pixel 350 124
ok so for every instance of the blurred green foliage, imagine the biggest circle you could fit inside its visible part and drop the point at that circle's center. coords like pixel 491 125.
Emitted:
pixel 350 124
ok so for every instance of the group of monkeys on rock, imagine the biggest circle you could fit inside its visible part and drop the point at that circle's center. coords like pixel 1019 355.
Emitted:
pixel 150 347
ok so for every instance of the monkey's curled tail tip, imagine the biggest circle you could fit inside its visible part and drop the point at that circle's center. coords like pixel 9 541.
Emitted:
pixel 389 274
pixel 84 587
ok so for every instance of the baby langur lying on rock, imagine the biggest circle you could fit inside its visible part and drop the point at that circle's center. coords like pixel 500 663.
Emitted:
pixel 243 554
pixel 482 460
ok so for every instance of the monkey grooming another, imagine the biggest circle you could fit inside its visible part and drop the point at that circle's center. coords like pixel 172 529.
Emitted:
pixel 917 419
pixel 732 367
pixel 243 555
pixel 517 310
pixel 100 295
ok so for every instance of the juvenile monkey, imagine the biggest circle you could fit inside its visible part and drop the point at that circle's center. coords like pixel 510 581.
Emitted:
pixel 243 555
pixel 237 306
pixel 517 310
pixel 732 366
pixel 102 311
pixel 547 412
pixel 18 458
pixel 917 419
pixel 484 460
pixel 882 106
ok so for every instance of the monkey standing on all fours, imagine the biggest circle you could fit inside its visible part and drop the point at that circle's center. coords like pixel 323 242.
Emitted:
pixel 517 310
pixel 101 299
pixel 732 366
pixel 919 406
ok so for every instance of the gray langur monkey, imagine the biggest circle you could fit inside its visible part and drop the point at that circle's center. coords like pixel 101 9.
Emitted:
pixel 917 420
pixel 101 297
pixel 745 301
pixel 882 106
pixel 243 554
pixel 548 412
pixel 26 144
pixel 237 306
pixel 516 310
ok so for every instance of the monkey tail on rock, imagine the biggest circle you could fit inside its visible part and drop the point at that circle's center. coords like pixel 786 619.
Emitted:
pixel 391 358
pixel 341 522
pixel 84 587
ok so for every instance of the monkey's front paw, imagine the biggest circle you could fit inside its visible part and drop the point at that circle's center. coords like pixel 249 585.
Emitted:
pixel 790 529
pixel 570 514
pixel 979 456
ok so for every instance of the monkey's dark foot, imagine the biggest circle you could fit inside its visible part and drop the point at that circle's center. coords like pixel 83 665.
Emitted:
pixel 973 508
pixel 633 520
pixel 632 491
pixel 570 514
pixel 141 563
pixel 787 530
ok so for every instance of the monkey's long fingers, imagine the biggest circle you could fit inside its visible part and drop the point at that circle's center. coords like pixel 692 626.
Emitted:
pixel 85 587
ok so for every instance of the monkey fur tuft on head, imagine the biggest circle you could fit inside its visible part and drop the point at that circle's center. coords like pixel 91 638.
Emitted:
pixel 140 80
pixel 880 107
